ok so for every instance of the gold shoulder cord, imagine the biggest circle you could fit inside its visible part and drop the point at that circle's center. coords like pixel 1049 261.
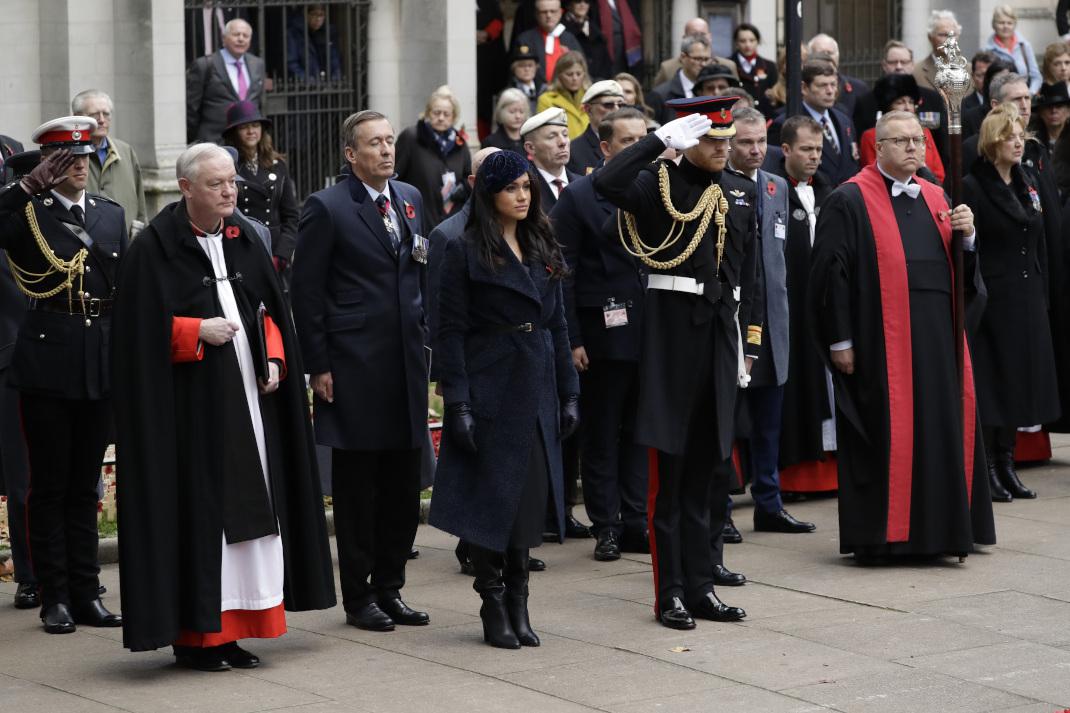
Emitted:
pixel 26 280
pixel 711 205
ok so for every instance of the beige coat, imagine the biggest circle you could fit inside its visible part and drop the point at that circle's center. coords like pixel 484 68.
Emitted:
pixel 119 179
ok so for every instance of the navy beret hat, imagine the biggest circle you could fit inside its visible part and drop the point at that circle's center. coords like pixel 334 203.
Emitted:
pixel 502 168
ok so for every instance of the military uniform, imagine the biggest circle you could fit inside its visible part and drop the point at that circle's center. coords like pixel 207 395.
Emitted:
pixel 268 196
pixel 61 369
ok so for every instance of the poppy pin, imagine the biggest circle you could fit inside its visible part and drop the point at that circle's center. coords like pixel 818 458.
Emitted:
pixel 410 211
pixel 847 87
pixel 770 188
pixel 232 231
pixel 549 270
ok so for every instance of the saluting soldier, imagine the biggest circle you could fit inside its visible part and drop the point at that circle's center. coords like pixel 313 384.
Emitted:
pixel 697 239
pixel 64 247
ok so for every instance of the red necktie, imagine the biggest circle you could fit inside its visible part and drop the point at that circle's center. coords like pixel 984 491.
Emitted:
pixel 559 185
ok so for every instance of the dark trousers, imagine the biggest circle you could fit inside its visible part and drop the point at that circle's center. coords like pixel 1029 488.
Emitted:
pixel 614 467
pixel 720 509
pixel 15 473
pixel 376 510
pixel 763 447
pixel 65 439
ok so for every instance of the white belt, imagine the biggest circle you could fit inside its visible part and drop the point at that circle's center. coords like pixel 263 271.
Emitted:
pixel 674 283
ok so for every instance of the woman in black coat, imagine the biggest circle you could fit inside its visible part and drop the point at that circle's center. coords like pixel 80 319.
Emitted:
pixel 267 194
pixel 433 155
pixel 1013 359
pixel 756 74
pixel 510 390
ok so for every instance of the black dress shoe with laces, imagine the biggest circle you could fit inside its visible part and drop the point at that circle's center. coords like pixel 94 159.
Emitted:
pixel 371 618
pixel 26 596
pixel 575 529
pixel 400 612
pixel 781 521
pixel 676 616
pixel 731 535
pixel 712 608
pixel 607 548
pixel 95 614
pixel 57 619
pixel 238 657
pixel 722 576
pixel 535 565
pixel 201 659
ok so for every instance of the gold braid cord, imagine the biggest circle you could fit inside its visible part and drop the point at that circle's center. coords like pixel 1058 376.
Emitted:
pixel 711 205
pixel 27 281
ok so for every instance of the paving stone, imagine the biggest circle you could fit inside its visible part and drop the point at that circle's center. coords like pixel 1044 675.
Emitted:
pixel 734 698
pixel 1012 614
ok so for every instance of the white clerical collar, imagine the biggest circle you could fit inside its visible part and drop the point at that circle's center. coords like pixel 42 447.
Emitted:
pixel 67 203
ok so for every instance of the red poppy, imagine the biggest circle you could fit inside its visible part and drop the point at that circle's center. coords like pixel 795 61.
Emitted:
pixel 771 188
pixel 232 231
pixel 848 87
pixel 410 211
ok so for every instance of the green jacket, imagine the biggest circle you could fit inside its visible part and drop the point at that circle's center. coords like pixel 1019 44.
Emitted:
pixel 119 179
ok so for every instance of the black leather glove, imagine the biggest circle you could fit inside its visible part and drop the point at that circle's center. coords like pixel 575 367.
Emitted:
pixel 570 415
pixel 49 173
pixel 461 426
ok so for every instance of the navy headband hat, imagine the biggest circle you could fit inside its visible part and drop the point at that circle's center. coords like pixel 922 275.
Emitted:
pixel 502 168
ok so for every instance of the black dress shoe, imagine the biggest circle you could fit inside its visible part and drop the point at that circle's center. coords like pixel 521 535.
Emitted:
pixel 201 659
pixel 575 529
pixel 712 608
pixel 370 617
pixel 535 565
pixel 400 612
pixel 781 521
pixel 999 493
pixel 57 619
pixel 238 657
pixel 1008 475
pixel 731 535
pixel 676 616
pixel 414 553
pixel 638 542
pixel 94 614
pixel 607 548
pixel 26 596
pixel 722 576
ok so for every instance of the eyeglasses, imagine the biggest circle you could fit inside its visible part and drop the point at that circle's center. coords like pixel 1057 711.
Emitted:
pixel 700 60
pixel 904 141
pixel 610 105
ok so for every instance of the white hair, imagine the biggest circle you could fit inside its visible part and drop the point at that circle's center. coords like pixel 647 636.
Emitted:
pixel 188 165
pixel 81 98
pixel 822 36
pixel 937 16
pixel 232 23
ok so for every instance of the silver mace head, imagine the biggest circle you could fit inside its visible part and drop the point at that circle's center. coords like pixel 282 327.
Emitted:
pixel 952 79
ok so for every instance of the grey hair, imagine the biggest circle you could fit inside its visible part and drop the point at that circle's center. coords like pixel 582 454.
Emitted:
pixel 81 98
pixel 748 115
pixel 692 40
pixel 188 165
pixel 230 25
pixel 939 16
pixel 995 89
pixel 822 36
pixel 898 115
pixel 507 98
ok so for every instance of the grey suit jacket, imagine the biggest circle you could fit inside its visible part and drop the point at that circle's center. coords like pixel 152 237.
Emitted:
pixel 773 193
pixel 209 93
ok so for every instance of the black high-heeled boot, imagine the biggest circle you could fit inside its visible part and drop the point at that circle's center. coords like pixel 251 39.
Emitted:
pixel 516 595
pixel 497 629
pixel 999 493
pixel 1009 476
pixel 461 553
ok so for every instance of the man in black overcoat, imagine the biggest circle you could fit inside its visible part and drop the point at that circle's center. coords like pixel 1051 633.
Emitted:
pixel 601 99
pixel 604 307
pixel 60 362
pixel 359 285
pixel 691 353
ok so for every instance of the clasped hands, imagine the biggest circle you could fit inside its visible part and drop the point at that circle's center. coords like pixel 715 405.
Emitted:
pixel 217 331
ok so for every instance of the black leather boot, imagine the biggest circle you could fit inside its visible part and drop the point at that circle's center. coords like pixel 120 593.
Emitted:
pixel 497 630
pixel 516 596
pixel 1009 476
pixel 999 493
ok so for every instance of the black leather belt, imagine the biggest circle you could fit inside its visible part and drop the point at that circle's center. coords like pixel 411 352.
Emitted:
pixel 508 328
pixel 94 307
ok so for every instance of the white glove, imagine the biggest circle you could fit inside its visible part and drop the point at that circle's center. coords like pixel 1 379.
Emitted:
pixel 683 133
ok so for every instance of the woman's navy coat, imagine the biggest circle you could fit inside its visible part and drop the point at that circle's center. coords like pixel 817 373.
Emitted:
pixel 512 380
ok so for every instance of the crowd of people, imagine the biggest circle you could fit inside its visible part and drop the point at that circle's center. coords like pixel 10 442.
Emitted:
pixel 661 296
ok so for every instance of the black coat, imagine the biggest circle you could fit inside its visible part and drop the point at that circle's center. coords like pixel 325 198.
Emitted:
pixel 8 147
pixel 972 119
pixel 593 45
pixel 514 381
pixel 837 166
pixel 851 91
pixel 421 164
pixel 269 197
pixel 585 152
pixel 664 92
pixel 673 320
pixel 500 140
pixel 360 315
pixel 64 355
pixel 173 426
pixel 602 272
pixel 762 77
pixel 1014 364
pixel 547 194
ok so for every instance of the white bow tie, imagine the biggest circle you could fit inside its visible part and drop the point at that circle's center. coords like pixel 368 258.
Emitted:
pixel 911 189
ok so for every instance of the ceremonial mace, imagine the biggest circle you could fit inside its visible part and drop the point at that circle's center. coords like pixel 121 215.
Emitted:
pixel 954 83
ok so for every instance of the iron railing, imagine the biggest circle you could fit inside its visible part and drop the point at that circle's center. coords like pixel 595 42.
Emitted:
pixel 860 26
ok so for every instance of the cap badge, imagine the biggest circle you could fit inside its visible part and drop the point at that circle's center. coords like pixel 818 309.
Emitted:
pixel 76 135
pixel 524 49
pixel 724 114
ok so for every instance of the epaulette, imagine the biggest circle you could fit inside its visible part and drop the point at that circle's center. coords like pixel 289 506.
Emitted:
pixel 97 196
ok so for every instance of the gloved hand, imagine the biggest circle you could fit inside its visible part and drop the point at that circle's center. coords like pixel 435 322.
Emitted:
pixel 48 174
pixel 461 426
pixel 683 133
pixel 570 415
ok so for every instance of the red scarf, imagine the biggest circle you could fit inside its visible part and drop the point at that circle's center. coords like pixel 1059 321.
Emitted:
pixel 1008 45
pixel 633 38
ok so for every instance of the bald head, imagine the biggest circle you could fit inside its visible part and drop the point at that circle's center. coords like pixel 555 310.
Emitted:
pixel 697 26
pixel 477 161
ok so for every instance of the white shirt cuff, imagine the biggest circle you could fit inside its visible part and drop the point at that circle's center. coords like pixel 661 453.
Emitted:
pixel 841 346
pixel 969 242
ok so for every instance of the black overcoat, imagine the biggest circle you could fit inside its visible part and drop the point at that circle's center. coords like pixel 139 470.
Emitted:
pixel 269 197
pixel 1012 347
pixel 585 152
pixel 171 431
pixel 360 315
pixel 421 164
pixel 514 381
pixel 673 321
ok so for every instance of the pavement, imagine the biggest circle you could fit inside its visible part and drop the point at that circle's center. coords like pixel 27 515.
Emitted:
pixel 822 634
